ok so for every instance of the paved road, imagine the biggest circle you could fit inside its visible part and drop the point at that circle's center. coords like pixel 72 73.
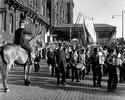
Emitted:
pixel 44 87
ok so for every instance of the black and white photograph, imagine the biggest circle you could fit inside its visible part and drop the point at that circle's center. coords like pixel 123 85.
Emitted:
pixel 62 50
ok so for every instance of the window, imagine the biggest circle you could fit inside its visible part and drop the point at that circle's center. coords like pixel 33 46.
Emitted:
pixel 60 11
pixel 41 9
pixel 57 6
pixel 60 20
pixel 0 21
pixel 11 23
pixel 56 19
pixel 1 3
pixel 44 9
pixel 63 14
pixel 47 13
pixel 4 21
pixel 34 4
pixel 31 3
pixel 37 4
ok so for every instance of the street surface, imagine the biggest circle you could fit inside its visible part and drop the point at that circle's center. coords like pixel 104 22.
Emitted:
pixel 43 87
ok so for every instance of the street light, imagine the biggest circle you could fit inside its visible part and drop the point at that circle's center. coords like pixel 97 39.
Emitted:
pixel 122 15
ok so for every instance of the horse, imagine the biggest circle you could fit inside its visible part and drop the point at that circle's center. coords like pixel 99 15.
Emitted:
pixel 10 54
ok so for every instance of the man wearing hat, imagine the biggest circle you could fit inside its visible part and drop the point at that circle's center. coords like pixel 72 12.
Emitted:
pixel 20 38
pixel 61 64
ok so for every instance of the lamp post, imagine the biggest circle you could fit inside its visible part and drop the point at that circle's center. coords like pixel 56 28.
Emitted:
pixel 122 15
pixel 122 24
pixel 70 30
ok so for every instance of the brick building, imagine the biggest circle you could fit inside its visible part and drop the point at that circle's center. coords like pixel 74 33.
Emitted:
pixel 41 16
pixel 13 11
pixel 64 11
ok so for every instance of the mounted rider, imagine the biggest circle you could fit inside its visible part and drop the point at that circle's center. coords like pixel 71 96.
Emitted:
pixel 21 40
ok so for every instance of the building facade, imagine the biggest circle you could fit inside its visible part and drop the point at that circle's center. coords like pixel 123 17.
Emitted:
pixel 104 32
pixel 13 11
pixel 41 16
pixel 45 19
pixel 64 11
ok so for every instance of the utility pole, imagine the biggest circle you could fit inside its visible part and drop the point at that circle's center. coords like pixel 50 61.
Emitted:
pixel 70 33
pixel 122 24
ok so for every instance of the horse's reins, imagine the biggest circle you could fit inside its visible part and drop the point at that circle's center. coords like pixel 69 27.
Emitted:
pixel 34 36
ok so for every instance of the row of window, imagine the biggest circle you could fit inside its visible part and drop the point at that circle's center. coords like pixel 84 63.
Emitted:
pixel 44 9
pixel 29 3
pixel 10 26
pixel 38 5
pixel 3 25
pixel 62 11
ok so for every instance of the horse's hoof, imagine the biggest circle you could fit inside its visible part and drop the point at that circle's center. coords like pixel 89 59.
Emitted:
pixel 27 82
pixel 6 90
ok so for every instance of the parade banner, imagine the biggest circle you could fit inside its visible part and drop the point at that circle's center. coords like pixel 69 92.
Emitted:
pixel 87 38
pixel 90 30
pixel 85 34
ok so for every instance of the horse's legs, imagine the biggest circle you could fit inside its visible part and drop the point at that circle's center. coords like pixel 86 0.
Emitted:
pixel 4 73
pixel 27 70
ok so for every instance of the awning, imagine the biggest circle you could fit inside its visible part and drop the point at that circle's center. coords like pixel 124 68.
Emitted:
pixel 100 28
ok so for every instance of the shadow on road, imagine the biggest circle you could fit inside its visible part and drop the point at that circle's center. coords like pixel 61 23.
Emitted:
pixel 43 80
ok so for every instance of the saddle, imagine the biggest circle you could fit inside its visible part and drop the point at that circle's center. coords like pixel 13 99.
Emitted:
pixel 28 52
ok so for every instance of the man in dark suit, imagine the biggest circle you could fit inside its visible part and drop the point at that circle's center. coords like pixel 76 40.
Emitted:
pixel 96 68
pixel 20 38
pixel 61 64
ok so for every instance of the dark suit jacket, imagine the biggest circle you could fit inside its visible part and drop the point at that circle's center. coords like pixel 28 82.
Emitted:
pixel 20 36
pixel 61 59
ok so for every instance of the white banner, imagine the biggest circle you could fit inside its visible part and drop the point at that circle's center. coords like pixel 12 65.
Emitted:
pixel 90 28
pixel 85 34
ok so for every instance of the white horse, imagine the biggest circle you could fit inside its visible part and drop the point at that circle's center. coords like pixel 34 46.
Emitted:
pixel 10 54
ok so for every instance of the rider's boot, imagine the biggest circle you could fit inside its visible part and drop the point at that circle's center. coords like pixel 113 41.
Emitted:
pixel 30 58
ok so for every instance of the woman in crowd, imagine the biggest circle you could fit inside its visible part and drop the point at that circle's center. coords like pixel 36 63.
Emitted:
pixel 74 61
pixel 82 61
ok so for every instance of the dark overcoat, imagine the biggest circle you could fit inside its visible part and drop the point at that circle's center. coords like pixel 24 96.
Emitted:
pixel 61 59
pixel 21 40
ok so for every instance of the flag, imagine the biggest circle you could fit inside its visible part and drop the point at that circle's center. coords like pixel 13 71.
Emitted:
pixel 90 30
pixel 85 34
pixel 87 38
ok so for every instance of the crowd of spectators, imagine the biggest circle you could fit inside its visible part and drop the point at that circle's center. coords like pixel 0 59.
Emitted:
pixel 72 61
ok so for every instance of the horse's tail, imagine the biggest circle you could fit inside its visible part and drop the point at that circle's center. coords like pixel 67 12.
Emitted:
pixel 2 60
pixel 1 49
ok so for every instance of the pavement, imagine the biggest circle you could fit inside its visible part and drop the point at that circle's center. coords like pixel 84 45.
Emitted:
pixel 43 87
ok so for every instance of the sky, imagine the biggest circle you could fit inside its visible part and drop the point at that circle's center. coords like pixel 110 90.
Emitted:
pixel 102 11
